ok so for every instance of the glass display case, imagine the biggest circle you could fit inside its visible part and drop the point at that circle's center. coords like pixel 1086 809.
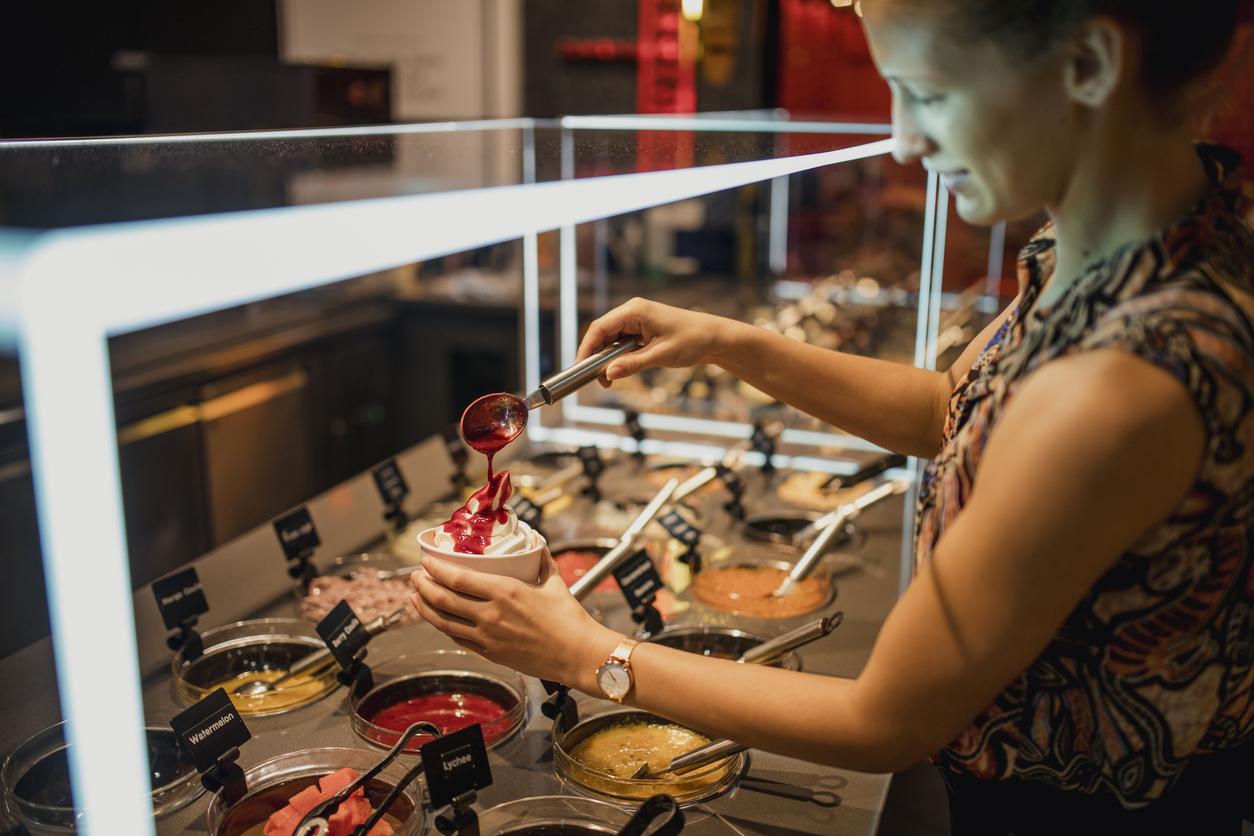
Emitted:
pixel 805 228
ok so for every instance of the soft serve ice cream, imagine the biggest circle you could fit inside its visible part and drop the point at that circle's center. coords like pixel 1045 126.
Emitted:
pixel 486 525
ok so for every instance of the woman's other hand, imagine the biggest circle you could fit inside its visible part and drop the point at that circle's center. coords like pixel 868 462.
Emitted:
pixel 671 337
pixel 537 629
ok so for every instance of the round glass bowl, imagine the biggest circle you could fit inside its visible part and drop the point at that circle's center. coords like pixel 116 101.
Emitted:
pixel 272 784
pixel 246 651
pixel 36 779
pixel 805 490
pixel 373 584
pixel 451 688
pixel 575 557
pixel 658 471
pixel 553 815
pixel 600 753
pixel 743 588
pixel 777 528
pixel 719 642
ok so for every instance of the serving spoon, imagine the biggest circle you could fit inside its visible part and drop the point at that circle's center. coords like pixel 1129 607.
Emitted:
pixel 492 421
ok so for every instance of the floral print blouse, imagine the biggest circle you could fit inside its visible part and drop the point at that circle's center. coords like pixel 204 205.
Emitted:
pixel 1156 663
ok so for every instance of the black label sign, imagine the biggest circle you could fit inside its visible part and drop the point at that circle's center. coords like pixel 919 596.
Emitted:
pixel 297 534
pixel 343 633
pixel 590 458
pixel 390 482
pixel 638 579
pixel 210 729
pixel 631 420
pixel 179 598
pixel 455 764
pixel 731 479
pixel 679 528
pixel 528 512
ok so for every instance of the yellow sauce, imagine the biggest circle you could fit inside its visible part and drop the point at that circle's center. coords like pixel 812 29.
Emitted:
pixel 605 760
pixel 621 749
pixel 299 690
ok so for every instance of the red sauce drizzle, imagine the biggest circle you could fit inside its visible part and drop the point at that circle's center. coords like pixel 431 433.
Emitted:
pixel 472 533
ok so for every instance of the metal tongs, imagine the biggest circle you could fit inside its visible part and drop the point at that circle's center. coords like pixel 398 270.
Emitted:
pixel 834 523
pixel 763 654
pixel 312 660
pixel 317 821
pixel 616 555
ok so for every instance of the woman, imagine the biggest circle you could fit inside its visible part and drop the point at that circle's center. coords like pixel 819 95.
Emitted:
pixel 1077 647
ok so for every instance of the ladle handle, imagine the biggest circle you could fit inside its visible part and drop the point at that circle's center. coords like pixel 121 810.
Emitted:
pixel 710 752
pixel 585 371
pixel 307 662
pixel 313 660
pixel 614 556
pixel 768 652
pixel 848 511
pixel 872 468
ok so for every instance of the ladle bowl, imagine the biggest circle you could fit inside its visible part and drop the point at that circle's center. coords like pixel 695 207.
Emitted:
pixel 492 421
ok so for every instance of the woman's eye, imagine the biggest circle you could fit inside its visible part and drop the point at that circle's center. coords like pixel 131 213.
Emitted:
pixel 927 101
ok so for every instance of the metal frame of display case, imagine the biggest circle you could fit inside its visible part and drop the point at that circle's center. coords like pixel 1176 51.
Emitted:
pixel 65 292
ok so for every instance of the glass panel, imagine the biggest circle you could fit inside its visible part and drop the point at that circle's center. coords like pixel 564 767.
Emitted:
pixel 47 184
pixel 830 256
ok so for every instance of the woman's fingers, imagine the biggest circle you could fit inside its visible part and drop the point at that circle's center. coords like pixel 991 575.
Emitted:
pixel 439 596
pixel 456 628
pixel 479 585
pixel 626 319
pixel 638 360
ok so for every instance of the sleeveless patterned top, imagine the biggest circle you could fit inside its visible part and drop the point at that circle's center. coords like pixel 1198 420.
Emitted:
pixel 1156 663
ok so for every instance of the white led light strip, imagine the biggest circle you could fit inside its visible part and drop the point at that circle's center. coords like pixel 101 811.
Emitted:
pixel 263 136
pixel 78 286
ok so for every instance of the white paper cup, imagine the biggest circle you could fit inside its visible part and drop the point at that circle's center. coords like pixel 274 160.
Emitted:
pixel 525 566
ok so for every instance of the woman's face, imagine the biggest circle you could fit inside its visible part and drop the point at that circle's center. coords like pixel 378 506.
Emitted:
pixel 1001 134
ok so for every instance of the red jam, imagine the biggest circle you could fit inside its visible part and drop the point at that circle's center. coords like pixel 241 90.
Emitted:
pixel 573 564
pixel 451 712
pixel 472 533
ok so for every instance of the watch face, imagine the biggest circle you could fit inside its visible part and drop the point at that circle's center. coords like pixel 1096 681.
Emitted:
pixel 614 680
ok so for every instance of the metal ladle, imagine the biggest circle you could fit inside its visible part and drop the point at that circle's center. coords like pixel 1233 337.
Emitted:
pixel 763 654
pixel 802 569
pixel 492 421
pixel 258 687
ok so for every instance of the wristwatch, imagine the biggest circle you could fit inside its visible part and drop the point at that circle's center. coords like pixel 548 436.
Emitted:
pixel 614 677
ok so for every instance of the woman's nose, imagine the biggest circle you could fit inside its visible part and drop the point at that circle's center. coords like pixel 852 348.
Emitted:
pixel 909 143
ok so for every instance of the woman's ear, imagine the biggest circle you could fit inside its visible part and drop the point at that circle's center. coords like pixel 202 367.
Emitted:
pixel 1097 61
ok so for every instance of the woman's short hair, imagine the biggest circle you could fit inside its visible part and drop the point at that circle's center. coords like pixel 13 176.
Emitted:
pixel 1180 41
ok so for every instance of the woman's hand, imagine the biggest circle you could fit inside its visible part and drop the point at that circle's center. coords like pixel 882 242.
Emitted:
pixel 672 337
pixel 537 629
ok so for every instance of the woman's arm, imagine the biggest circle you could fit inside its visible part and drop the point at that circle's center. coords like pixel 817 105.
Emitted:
pixel 895 406
pixel 1091 453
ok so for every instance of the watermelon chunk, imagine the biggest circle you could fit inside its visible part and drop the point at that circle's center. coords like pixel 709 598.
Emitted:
pixel 283 823
pixel 305 800
pixel 354 811
pixel 336 781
